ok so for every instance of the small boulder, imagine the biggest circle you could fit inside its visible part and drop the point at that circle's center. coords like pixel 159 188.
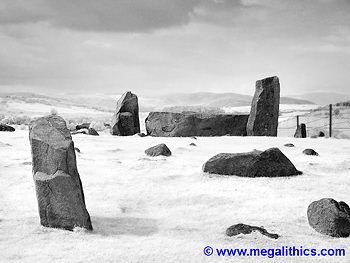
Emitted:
pixel 5 127
pixel 160 149
pixel 141 134
pixel 247 229
pixel 193 144
pixel 289 145
pixel 310 152
pixel 329 217
pixel 92 131
pixel 321 134
pixel 85 125
pixel 270 163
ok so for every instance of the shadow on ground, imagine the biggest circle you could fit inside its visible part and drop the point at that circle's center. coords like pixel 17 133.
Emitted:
pixel 112 226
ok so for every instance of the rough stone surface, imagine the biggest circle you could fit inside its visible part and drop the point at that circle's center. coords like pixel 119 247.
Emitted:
pixel 57 182
pixel 247 229
pixel 270 163
pixel 263 118
pixel 125 120
pixel 5 127
pixel 168 124
pixel 92 131
pixel 160 149
pixel 329 217
pixel 310 152
pixel 300 131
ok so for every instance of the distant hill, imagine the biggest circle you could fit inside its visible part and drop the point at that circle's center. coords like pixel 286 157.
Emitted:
pixel 106 102
pixel 323 98
pixel 218 100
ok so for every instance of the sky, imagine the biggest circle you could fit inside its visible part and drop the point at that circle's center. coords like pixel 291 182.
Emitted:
pixel 173 46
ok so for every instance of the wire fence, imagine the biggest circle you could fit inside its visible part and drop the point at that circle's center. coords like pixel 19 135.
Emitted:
pixel 332 120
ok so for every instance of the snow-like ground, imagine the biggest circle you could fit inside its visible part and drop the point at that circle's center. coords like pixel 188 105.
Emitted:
pixel 37 109
pixel 147 209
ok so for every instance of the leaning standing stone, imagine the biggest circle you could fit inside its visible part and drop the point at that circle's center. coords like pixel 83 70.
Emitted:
pixel 58 187
pixel 263 118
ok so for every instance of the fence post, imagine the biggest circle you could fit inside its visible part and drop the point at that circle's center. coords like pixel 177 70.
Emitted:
pixel 330 120
pixel 297 121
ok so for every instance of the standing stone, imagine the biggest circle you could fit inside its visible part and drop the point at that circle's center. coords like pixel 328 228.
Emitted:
pixel 57 182
pixel 125 120
pixel 300 131
pixel 263 118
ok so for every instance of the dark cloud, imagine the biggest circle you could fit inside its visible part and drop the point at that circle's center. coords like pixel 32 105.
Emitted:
pixel 100 15
pixel 122 15
pixel 115 15
pixel 149 15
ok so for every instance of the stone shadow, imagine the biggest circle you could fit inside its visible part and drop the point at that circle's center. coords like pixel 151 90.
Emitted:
pixel 113 226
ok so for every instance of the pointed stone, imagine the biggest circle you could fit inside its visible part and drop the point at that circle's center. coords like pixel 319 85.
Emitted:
pixel 125 120
pixel 160 149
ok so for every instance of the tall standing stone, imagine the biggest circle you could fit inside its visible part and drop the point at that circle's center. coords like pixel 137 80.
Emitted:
pixel 125 120
pixel 263 118
pixel 57 182
pixel 300 131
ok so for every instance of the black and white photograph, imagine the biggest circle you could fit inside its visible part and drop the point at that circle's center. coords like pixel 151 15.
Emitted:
pixel 174 131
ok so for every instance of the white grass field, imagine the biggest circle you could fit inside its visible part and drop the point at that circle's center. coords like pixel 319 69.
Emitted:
pixel 147 209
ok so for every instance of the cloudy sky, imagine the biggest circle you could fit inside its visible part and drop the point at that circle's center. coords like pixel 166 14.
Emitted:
pixel 161 46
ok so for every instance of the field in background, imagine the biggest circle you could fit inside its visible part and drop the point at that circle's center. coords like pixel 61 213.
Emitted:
pixel 19 109
pixel 319 120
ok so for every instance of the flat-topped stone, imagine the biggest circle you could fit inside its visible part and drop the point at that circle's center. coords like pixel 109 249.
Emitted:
pixel 57 182
pixel 189 124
